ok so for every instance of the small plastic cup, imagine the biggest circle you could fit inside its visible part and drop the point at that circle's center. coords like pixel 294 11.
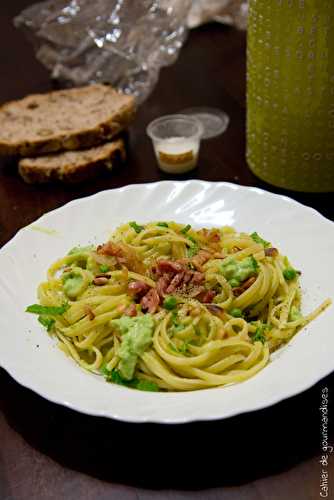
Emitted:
pixel 176 141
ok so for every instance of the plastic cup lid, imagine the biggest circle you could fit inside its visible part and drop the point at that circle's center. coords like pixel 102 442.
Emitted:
pixel 213 120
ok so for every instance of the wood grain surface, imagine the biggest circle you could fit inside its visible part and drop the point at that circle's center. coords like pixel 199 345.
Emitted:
pixel 50 452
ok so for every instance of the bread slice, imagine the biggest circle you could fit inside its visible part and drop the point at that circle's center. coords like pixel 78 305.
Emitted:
pixel 61 120
pixel 72 166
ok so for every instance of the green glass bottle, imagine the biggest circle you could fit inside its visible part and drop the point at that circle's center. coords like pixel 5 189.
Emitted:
pixel 290 93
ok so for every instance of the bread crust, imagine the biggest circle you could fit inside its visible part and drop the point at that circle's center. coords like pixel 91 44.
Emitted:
pixel 119 118
pixel 72 166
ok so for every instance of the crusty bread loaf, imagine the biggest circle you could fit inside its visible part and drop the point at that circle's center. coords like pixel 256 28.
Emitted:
pixel 72 166
pixel 61 120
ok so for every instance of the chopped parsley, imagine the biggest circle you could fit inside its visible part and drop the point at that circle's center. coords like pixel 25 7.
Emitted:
pixel 259 335
pixel 192 251
pixel 176 325
pixel 140 384
pixel 46 322
pixel 104 268
pixel 147 385
pixel 257 238
pixel 180 350
pixel 172 347
pixel 254 262
pixel 174 317
pixel 194 248
pixel 185 229
pixel 184 347
pixel 48 310
pixel 162 224
pixel 111 375
pixel 190 238
pixel 136 227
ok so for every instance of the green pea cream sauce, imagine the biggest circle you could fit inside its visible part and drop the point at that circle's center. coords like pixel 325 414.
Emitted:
pixel 238 271
pixel 75 282
pixel 137 335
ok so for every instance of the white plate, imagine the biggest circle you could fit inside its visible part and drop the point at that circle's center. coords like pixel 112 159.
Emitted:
pixel 33 359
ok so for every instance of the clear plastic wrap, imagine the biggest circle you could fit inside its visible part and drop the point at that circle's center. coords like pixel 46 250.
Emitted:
pixel 223 11
pixel 122 42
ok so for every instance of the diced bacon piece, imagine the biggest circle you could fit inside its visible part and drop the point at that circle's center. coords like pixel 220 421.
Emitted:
pixel 168 266
pixel 150 301
pixel 138 288
pixel 248 283
pixel 216 310
pixel 103 275
pixel 121 308
pixel 219 255
pixel 124 255
pixel 110 248
pixel 207 297
pixel 188 275
pixel 176 277
pixel 271 252
pixel 200 259
pixel 197 290
pixel 175 283
pixel 162 285
pixel 197 278
pixel 131 310
pixel 183 262
pixel 244 286
pixel 100 281
pixel 214 235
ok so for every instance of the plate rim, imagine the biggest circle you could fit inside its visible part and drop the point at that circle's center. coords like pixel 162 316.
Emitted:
pixel 78 407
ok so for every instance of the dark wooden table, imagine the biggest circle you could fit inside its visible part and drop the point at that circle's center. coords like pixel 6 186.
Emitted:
pixel 49 452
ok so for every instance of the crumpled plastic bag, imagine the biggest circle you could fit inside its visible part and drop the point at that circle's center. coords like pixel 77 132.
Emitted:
pixel 122 42
pixel 223 11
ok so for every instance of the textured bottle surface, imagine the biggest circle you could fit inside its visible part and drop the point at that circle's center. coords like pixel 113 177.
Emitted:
pixel 290 93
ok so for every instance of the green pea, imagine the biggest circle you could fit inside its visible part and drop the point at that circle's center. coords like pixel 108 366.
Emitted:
pixel 170 302
pixel 289 273
pixel 236 312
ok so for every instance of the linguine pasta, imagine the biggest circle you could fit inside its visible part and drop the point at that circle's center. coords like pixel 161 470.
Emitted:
pixel 163 306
